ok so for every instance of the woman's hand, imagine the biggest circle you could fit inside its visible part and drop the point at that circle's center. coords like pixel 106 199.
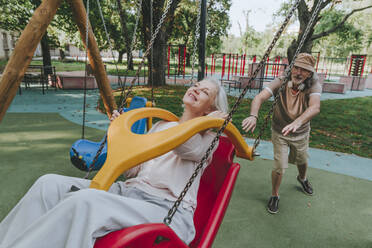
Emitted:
pixel 249 123
pixel 115 114
pixel 218 114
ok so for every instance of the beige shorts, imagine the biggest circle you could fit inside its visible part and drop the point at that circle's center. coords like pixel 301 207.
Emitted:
pixel 298 146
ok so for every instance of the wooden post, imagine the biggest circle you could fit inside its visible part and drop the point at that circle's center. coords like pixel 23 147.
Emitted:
pixel 24 51
pixel 26 46
pixel 95 60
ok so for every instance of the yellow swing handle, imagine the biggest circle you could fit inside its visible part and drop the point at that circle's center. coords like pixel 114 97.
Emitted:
pixel 126 149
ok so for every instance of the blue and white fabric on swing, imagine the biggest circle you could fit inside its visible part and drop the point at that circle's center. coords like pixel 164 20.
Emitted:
pixel 83 151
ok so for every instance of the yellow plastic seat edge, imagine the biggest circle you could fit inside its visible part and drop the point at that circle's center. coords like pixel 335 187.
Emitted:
pixel 126 149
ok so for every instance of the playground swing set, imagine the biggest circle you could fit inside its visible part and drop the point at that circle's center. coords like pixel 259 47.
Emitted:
pixel 218 179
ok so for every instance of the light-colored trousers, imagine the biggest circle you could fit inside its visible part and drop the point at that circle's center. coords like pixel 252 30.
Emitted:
pixel 51 216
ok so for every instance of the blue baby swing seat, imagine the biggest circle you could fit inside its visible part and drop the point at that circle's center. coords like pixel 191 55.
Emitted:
pixel 83 151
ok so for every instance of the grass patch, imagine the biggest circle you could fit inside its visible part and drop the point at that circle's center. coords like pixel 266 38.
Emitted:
pixel 112 68
pixel 330 80
pixel 342 125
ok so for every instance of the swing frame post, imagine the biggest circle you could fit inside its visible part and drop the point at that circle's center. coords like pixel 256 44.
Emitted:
pixel 95 60
pixel 24 51
pixel 25 48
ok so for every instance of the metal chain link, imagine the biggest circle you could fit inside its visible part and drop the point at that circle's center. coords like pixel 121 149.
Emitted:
pixel 287 74
pixel 151 74
pixel 133 81
pixel 108 39
pixel 129 55
pixel 99 151
pixel 134 38
pixel 149 47
pixel 85 72
pixel 197 34
pixel 168 219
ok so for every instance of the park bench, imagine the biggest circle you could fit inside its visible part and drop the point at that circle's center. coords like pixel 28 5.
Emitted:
pixel 39 75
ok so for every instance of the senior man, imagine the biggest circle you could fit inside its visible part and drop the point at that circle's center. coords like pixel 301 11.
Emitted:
pixel 298 103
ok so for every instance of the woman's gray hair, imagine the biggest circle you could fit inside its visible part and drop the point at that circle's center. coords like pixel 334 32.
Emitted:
pixel 220 103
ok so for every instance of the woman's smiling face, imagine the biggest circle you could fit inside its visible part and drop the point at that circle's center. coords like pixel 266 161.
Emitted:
pixel 200 97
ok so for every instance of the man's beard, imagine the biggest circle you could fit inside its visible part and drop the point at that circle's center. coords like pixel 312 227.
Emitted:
pixel 297 80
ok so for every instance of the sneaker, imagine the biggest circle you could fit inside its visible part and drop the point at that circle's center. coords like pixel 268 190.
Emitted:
pixel 273 205
pixel 306 186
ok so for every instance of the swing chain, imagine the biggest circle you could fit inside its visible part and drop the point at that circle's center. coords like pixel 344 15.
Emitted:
pixel 168 219
pixel 85 72
pixel 134 37
pixel 287 74
pixel 108 39
pixel 169 2
pixel 99 151
pixel 197 34
pixel 149 47
pixel 129 54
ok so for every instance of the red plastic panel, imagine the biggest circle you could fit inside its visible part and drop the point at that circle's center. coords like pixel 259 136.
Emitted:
pixel 214 194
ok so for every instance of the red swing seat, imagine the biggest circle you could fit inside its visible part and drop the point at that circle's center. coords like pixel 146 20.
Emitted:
pixel 216 186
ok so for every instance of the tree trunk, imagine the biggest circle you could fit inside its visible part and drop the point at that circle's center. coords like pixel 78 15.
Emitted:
pixel 159 62
pixel 307 47
pixel 304 15
pixel 23 52
pixel 159 47
pixel 188 59
pixel 125 33
pixel 120 58
pixel 62 54
pixel 47 59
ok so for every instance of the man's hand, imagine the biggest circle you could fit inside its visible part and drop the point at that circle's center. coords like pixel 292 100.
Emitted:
pixel 291 127
pixel 249 123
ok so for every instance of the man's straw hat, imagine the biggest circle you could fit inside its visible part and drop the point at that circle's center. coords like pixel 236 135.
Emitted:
pixel 306 61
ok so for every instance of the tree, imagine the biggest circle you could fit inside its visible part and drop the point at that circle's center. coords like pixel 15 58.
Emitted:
pixel 15 16
pixel 330 20
pixel 185 25
pixel 250 37
pixel 217 23
pixel 125 33
pixel 159 46
pixel 180 28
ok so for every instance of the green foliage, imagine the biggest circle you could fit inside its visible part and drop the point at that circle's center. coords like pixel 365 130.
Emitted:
pixel 352 37
pixel 347 39
pixel 184 26
pixel 14 14
pixel 251 40
pixel 217 23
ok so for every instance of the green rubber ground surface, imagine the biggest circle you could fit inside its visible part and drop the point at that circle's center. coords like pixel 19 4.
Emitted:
pixel 338 215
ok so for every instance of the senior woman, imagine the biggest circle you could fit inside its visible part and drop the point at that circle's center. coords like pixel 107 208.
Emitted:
pixel 49 215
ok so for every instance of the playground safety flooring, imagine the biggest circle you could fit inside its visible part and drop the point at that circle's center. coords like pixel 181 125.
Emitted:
pixel 38 130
